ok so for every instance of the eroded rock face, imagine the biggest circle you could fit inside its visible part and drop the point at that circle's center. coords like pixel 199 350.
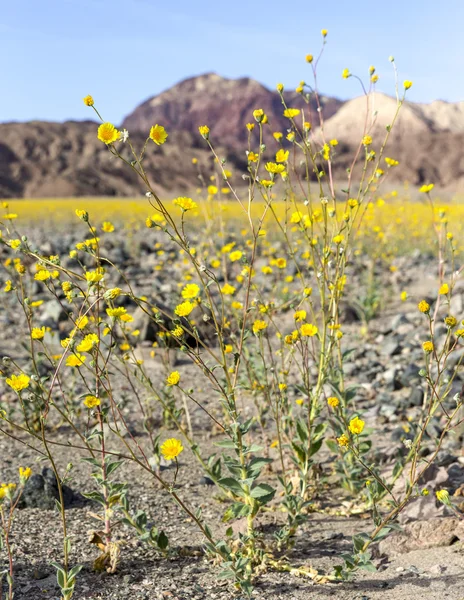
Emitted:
pixel 421 535
pixel 225 105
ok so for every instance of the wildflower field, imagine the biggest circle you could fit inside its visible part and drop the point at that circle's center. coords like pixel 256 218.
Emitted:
pixel 251 391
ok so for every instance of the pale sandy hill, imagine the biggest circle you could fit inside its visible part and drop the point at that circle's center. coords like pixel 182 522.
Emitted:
pixel 371 115
pixel 443 116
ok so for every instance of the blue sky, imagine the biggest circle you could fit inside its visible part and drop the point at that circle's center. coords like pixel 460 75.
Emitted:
pixel 54 52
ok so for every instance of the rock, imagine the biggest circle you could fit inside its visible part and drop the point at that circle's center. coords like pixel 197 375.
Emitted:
pixel 52 314
pixel 424 507
pixel 417 397
pixel 456 475
pixel 457 304
pixel 399 320
pixel 391 348
pixel 437 569
pixel 422 535
pixel 410 375
pixel 41 491
pixel 206 481
pixel 444 459
pixel 391 379
pixel 349 314
pixel 349 369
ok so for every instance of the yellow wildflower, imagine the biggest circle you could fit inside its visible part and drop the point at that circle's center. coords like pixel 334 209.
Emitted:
pixel 173 378
pixel 184 309
pixel 75 360
pixel 423 306
pixel 356 426
pixel 158 134
pixel 18 382
pixel 227 289
pixel 290 113
pixel 91 401
pixel 107 133
pixel 185 203
pixel 38 333
pixel 259 326
pixel 107 227
pixel 191 290
pixel 308 330
pixel 204 131
pixel 171 448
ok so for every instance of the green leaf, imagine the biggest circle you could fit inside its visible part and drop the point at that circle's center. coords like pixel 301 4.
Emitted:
pixel 225 444
pixel 302 430
pixel 236 511
pixel 75 570
pixel 315 447
pixel 163 541
pixel 252 448
pixel 359 541
pixel 232 484
pixel 397 468
pixel 111 467
pixel 263 492
pixel 332 446
pixel 96 496
pixel 256 465
pixel 61 578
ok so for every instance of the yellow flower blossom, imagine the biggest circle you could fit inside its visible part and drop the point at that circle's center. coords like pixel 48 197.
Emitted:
pixel 185 203
pixel 227 289
pixel 259 326
pixel 107 227
pixel 91 401
pixel 291 113
pixel 75 360
pixel 173 378
pixel 107 133
pixel 37 333
pixel 308 330
pixel 204 131
pixel 184 309
pixel 356 426
pixel 18 382
pixel 158 134
pixel 191 290
pixel 171 448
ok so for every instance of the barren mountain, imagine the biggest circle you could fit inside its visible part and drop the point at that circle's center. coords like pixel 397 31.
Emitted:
pixel 40 159
pixel 225 105
pixel 371 114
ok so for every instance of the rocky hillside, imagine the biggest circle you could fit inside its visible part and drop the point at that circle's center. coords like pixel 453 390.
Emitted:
pixel 46 160
pixel 225 105
pixel 40 159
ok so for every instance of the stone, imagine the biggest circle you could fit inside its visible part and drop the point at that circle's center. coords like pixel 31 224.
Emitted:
pixel 52 314
pixel 206 481
pixel 391 347
pixel 416 397
pixel 41 491
pixel 399 320
pixel 422 535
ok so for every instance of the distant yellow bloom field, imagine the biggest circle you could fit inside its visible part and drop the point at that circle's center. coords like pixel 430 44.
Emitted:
pixel 395 225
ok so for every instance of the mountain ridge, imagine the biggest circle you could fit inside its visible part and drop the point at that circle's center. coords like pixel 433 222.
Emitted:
pixel 53 159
